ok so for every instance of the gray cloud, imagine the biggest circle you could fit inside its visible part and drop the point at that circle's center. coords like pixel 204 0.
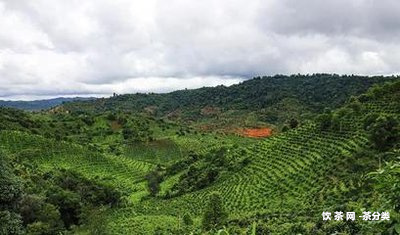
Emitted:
pixel 364 18
pixel 51 48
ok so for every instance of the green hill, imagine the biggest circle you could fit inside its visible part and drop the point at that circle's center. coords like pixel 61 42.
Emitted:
pixel 271 100
pixel 98 170
pixel 293 177
pixel 37 105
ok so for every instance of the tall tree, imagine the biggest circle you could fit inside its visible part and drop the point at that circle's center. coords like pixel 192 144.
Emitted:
pixel 215 215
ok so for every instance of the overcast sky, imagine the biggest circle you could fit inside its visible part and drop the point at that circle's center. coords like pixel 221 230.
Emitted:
pixel 54 48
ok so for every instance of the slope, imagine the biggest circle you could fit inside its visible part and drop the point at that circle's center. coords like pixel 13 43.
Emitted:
pixel 273 100
pixel 299 174
pixel 37 105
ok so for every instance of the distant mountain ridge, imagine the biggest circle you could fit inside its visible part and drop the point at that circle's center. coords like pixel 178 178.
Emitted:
pixel 36 105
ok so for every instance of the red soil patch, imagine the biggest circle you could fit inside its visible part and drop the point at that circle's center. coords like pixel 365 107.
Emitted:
pixel 257 132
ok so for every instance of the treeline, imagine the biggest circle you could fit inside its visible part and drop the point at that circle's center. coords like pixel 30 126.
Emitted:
pixel 81 127
pixel 274 98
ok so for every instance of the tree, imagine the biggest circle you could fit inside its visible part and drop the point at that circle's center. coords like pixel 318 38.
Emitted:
pixel 369 119
pixel 385 132
pixel 325 121
pixel 127 133
pixel 153 182
pixel 39 216
pixel 285 128
pixel 69 204
pixel 187 220
pixel 10 186
pixel 215 215
pixel 293 123
pixel 10 223
pixel 137 131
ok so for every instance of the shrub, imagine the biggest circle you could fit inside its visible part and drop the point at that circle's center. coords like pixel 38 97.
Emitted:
pixel 214 216
pixel 153 182
pixel 384 133
pixel 10 223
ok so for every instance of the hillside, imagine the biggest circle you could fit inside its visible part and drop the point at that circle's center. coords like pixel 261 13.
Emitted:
pixel 37 105
pixel 291 178
pixel 98 170
pixel 255 102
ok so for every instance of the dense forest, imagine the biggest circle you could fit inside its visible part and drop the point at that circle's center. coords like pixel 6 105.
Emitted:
pixel 270 99
pixel 146 164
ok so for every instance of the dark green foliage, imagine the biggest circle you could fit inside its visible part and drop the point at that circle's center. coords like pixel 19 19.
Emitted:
pixel 266 96
pixel 67 194
pixel 285 128
pixel 21 209
pixel 384 132
pixel 369 119
pixel 12 119
pixel 187 219
pixel 89 191
pixel 40 215
pixel 10 223
pixel 71 193
pixel 111 116
pixel 325 121
pixel 153 181
pixel 88 120
pixel 203 173
pixel 10 185
pixel 49 203
pixel 182 164
pixel 282 182
pixel 293 123
pixel 10 193
pixel 68 204
pixel 137 131
pixel 262 229
pixel 215 215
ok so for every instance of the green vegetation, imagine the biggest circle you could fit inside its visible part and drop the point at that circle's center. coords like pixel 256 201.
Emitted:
pixel 214 215
pixel 47 202
pixel 133 164
pixel 262 100
pixel 38 105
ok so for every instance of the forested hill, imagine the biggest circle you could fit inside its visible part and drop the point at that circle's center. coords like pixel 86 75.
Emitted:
pixel 270 99
pixel 37 105
pixel 130 174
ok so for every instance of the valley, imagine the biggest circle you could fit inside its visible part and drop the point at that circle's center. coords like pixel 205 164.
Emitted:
pixel 266 156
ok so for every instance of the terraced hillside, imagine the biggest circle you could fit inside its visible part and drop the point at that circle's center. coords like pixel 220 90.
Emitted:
pixel 295 173
pixel 344 160
pixel 293 164
pixel 118 171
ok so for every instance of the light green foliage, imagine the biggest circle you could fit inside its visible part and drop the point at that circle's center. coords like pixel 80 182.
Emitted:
pixel 76 171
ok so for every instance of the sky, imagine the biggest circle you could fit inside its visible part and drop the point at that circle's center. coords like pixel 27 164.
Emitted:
pixel 51 48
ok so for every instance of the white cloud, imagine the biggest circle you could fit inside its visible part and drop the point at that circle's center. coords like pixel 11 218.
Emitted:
pixel 53 47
